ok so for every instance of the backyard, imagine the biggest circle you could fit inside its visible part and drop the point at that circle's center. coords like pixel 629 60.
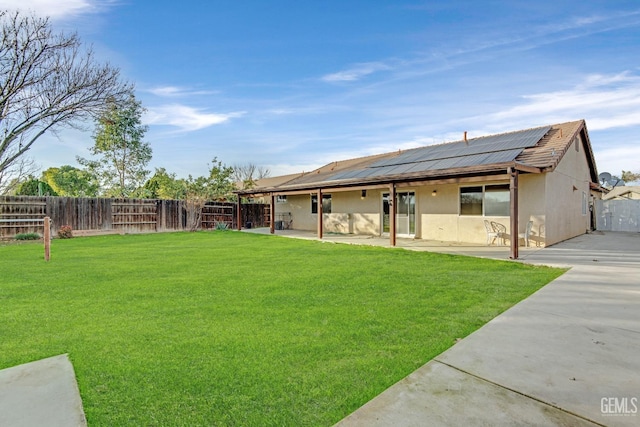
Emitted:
pixel 229 328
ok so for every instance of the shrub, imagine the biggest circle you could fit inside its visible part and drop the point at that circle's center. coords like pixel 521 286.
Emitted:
pixel 221 226
pixel 65 232
pixel 27 236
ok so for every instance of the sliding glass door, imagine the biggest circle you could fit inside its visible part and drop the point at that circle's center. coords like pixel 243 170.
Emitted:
pixel 405 213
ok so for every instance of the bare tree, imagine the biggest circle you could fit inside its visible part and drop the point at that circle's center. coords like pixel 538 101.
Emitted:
pixel 247 174
pixel 47 81
pixel 16 173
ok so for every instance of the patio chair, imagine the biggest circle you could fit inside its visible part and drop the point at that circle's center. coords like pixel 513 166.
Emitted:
pixel 501 230
pixel 492 234
pixel 526 234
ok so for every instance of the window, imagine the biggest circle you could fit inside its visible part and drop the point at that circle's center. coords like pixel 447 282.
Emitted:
pixel 326 203
pixel 487 200
pixel 496 200
pixel 471 201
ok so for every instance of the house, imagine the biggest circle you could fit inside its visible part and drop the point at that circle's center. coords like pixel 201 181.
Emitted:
pixel 623 193
pixel 546 175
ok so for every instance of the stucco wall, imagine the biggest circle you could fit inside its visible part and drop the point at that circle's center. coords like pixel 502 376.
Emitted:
pixel 350 212
pixel 300 208
pixel 531 207
pixel 439 217
pixel 564 197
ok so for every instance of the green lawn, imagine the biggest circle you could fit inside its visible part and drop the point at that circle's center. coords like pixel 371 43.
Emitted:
pixel 228 328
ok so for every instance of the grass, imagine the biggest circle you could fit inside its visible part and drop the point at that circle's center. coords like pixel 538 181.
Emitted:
pixel 227 328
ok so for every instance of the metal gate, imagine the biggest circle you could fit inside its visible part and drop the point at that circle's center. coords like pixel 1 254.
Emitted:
pixel 618 215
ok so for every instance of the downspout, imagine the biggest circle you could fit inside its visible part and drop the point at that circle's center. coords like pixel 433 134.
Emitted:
pixel 513 192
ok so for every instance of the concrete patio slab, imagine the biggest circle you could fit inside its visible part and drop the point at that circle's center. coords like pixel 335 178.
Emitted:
pixel 439 395
pixel 453 248
pixel 41 393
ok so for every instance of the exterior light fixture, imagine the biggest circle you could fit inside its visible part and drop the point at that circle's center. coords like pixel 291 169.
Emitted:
pixel 434 193
pixel 363 194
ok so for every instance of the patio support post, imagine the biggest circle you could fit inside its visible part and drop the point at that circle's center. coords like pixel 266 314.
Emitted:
pixel 239 213
pixel 513 192
pixel 272 215
pixel 320 225
pixel 392 214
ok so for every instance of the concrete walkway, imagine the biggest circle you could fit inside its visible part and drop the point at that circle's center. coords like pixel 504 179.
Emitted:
pixel 568 355
pixel 470 249
pixel 41 393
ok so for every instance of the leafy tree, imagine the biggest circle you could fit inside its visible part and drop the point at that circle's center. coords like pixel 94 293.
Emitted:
pixel 628 176
pixel 218 185
pixel 71 181
pixel 164 185
pixel 47 82
pixel 123 153
pixel 34 187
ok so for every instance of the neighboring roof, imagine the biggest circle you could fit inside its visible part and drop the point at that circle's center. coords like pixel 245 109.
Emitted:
pixel 630 192
pixel 271 181
pixel 533 150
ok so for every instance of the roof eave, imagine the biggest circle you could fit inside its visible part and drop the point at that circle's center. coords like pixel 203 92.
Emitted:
pixel 586 145
pixel 492 169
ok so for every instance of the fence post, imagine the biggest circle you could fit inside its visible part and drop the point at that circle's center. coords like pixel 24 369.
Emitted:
pixel 47 238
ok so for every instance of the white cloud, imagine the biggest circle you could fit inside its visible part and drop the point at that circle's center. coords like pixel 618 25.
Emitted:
pixel 614 159
pixel 165 91
pixel 176 91
pixel 356 73
pixel 185 118
pixel 607 101
pixel 55 9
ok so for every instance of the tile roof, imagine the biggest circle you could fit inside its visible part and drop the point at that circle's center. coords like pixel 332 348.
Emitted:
pixel 539 148
pixel 624 192
pixel 271 181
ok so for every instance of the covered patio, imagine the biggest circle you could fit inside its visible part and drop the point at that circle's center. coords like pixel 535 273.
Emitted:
pixel 533 185
pixel 452 248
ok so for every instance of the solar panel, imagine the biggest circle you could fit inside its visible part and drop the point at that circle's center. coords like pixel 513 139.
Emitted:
pixel 448 163
pixel 478 151
pixel 488 144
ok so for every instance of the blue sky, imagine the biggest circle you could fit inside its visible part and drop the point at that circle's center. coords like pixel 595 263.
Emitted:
pixel 292 85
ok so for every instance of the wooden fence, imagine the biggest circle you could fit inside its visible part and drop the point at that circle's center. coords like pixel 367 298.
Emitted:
pixel 25 214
